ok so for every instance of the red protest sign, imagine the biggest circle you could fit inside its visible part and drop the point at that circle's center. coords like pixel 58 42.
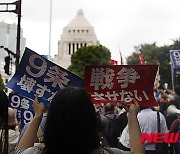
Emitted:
pixel 121 83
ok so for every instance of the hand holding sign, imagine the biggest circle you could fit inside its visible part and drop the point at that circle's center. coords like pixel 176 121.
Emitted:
pixel 39 108
pixel 132 109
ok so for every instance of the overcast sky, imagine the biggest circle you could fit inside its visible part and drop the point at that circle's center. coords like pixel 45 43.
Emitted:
pixel 118 23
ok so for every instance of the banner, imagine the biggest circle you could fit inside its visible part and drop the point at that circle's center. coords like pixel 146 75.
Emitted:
pixel 175 58
pixel 36 74
pixel 23 108
pixel 121 83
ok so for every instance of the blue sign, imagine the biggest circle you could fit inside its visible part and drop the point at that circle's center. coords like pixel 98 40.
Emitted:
pixel 37 75
pixel 175 58
pixel 23 108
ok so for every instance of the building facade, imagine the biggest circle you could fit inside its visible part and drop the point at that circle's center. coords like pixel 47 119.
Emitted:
pixel 8 33
pixel 78 33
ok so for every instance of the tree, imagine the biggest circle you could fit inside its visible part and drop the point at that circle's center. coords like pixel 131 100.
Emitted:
pixel 91 55
pixel 153 54
pixel 2 86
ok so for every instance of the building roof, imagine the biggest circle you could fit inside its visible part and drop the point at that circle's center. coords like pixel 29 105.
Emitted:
pixel 79 20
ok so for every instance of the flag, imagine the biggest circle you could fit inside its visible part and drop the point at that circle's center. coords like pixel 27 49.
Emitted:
pixel 140 57
pixel 121 59
pixel 156 82
pixel 139 54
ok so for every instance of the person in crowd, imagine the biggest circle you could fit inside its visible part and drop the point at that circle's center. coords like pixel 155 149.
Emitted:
pixel 3 123
pixel 147 118
pixel 175 128
pixel 174 103
pixel 99 122
pixel 121 124
pixel 108 124
pixel 13 131
pixel 71 126
pixel 173 106
pixel 165 96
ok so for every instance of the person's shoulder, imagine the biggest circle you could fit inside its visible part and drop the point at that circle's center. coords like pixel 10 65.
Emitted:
pixel 118 151
pixel 31 150
pixel 109 150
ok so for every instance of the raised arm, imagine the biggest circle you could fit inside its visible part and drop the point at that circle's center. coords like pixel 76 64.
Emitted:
pixel 134 130
pixel 30 134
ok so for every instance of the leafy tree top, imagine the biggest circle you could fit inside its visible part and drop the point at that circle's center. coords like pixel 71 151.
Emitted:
pixel 91 55
pixel 153 54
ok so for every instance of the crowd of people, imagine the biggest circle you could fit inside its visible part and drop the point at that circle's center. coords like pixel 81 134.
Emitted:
pixel 73 125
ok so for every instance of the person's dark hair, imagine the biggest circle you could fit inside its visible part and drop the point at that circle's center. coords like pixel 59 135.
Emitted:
pixel 109 107
pixel 3 122
pixel 177 89
pixel 71 123
pixel 147 107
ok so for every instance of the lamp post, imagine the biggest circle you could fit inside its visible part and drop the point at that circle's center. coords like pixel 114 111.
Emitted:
pixel 50 23
pixel 18 12
pixel 18 8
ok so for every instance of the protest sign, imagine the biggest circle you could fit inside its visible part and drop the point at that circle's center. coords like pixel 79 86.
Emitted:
pixel 36 74
pixel 175 58
pixel 121 83
pixel 175 65
pixel 22 107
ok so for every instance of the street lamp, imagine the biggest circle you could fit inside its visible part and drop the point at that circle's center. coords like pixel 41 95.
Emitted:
pixel 18 12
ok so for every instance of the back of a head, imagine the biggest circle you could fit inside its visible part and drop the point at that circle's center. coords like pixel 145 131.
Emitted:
pixel 3 122
pixel 71 123
pixel 177 89
pixel 109 108
pixel 12 121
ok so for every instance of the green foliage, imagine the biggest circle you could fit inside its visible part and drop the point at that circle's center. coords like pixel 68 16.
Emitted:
pixel 2 86
pixel 91 55
pixel 153 54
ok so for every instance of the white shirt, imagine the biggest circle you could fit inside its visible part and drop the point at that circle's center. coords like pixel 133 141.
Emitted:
pixel 148 124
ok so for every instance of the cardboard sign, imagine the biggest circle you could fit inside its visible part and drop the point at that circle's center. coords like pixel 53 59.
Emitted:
pixel 121 83
pixel 23 108
pixel 175 58
pixel 36 74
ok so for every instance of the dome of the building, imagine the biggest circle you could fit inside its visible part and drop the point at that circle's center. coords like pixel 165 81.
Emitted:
pixel 79 20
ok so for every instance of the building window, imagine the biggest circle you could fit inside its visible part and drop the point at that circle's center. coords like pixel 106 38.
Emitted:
pixel 69 31
pixel 78 31
pixel 87 31
pixel 73 31
pixel 82 31
pixel 73 47
pixel 69 48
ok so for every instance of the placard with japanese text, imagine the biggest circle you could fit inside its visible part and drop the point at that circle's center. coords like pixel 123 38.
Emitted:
pixel 121 83
pixel 175 58
pixel 36 74
pixel 23 108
